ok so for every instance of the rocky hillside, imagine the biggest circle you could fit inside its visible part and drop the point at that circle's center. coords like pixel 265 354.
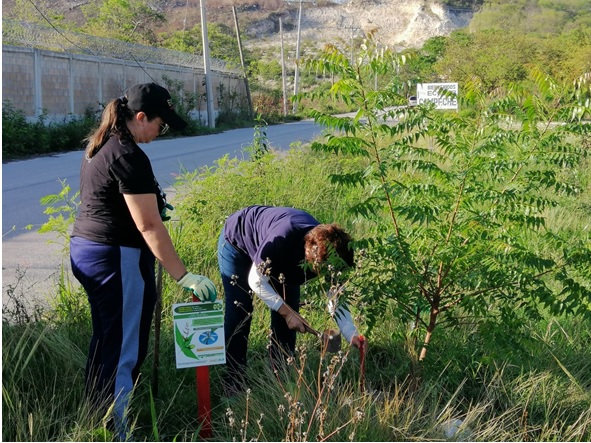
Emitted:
pixel 398 23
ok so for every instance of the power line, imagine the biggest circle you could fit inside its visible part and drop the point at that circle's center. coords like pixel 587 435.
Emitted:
pixel 85 50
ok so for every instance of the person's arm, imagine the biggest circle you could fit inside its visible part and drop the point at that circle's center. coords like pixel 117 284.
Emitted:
pixel 261 286
pixel 344 320
pixel 259 283
pixel 144 211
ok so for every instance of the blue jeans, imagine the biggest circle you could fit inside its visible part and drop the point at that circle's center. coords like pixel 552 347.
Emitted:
pixel 238 310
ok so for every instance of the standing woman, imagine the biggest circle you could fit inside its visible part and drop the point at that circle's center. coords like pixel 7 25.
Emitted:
pixel 117 234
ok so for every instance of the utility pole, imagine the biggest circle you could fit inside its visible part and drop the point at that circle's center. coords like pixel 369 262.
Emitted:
pixel 297 66
pixel 297 57
pixel 283 68
pixel 353 30
pixel 242 61
pixel 207 68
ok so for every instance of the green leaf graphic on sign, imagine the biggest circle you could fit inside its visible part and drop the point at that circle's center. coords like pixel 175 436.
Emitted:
pixel 184 343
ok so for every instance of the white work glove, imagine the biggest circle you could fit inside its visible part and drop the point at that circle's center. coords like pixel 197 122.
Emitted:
pixel 202 287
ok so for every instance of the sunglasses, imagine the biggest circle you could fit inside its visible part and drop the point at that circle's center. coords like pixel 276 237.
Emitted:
pixel 163 128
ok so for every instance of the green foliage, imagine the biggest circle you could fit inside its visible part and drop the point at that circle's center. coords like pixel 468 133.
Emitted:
pixel 233 109
pixel 126 20
pixel 498 57
pixel 264 69
pixel 475 222
pixel 184 40
pixel 535 17
pixel 184 102
pixel 567 56
pixel 38 12
pixel 268 69
pixel 419 67
pixel 460 204
pixel 61 209
pixel 540 398
pixel 222 42
pixel 260 143
pixel 209 195
pixel 469 56
pixel 22 137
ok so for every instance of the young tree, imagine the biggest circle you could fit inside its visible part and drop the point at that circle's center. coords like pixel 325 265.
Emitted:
pixel 463 210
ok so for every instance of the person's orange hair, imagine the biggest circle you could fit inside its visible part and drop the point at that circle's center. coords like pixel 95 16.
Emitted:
pixel 319 241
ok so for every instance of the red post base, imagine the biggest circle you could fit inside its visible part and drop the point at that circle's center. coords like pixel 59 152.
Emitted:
pixel 203 398
pixel 362 364
pixel 203 401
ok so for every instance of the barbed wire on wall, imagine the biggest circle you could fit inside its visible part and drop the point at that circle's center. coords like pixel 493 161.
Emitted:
pixel 33 35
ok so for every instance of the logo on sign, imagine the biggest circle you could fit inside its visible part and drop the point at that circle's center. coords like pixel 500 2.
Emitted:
pixel 208 338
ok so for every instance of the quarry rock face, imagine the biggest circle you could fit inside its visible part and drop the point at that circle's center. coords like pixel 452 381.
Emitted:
pixel 398 24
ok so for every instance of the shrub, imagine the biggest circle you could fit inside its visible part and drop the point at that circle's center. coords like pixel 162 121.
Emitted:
pixel 22 137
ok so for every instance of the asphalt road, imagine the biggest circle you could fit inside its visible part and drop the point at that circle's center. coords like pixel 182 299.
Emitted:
pixel 32 262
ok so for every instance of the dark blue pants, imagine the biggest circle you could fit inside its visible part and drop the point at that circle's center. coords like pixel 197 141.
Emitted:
pixel 121 290
pixel 238 310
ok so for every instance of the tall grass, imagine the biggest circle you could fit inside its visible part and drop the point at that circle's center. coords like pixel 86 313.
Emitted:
pixel 318 398
pixel 476 385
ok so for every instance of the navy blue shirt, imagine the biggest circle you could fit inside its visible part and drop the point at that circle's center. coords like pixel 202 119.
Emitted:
pixel 273 233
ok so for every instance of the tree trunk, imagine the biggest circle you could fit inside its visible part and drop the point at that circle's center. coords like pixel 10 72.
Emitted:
pixel 432 322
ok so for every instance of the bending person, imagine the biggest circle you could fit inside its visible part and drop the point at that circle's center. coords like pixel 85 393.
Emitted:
pixel 268 247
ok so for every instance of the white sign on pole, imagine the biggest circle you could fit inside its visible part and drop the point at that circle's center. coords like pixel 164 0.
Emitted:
pixel 432 92
pixel 199 334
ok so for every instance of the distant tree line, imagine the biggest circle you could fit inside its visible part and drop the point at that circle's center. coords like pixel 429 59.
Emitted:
pixel 497 57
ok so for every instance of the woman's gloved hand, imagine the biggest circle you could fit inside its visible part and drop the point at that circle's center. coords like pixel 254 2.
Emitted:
pixel 359 342
pixel 163 214
pixel 294 320
pixel 202 287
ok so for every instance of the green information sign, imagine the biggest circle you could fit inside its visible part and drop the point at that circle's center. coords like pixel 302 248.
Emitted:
pixel 199 334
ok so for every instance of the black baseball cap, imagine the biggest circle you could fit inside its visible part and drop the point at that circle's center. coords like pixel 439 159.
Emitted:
pixel 153 99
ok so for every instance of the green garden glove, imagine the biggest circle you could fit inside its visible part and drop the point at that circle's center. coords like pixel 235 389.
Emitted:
pixel 163 214
pixel 202 287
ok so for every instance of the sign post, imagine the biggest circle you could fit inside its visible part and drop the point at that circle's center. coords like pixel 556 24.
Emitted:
pixel 199 342
pixel 443 95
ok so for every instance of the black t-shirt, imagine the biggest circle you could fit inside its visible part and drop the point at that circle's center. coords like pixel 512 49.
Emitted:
pixel 274 233
pixel 119 167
